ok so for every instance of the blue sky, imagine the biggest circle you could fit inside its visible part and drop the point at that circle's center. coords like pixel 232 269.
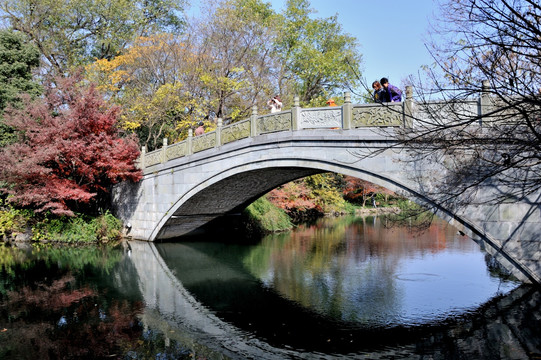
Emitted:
pixel 391 33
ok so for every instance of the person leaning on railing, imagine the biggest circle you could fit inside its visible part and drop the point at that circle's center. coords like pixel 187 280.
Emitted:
pixel 380 94
pixel 394 94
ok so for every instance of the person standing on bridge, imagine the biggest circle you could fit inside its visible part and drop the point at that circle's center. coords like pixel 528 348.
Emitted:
pixel 394 94
pixel 380 94
pixel 200 129
pixel 331 102
pixel 275 104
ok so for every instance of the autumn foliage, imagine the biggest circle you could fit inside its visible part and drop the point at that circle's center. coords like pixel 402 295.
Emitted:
pixel 358 191
pixel 69 151
pixel 294 196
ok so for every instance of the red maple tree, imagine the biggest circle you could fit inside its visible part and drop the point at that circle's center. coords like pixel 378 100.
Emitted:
pixel 359 191
pixel 69 152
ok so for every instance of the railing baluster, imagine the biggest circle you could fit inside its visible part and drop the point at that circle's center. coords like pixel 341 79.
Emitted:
pixel 189 146
pixel 253 122
pixel 347 111
pixel 295 114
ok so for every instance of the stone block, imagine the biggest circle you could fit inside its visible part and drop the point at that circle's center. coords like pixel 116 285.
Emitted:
pixel 501 231
pixel 529 231
pixel 519 212
pixel 164 190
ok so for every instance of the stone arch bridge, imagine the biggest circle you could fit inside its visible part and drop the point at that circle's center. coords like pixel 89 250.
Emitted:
pixel 190 183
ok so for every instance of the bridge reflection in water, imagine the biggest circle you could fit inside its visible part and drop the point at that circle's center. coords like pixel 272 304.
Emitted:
pixel 506 327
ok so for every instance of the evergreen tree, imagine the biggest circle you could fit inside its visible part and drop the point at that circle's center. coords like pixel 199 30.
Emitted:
pixel 17 59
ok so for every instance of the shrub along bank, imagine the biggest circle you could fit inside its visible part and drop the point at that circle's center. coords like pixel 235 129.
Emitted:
pixel 263 216
pixel 25 225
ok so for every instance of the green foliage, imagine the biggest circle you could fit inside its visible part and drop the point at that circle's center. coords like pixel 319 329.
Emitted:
pixel 80 229
pixel 326 191
pixel 17 60
pixel 269 217
pixel 71 33
pixel 321 58
pixel 13 221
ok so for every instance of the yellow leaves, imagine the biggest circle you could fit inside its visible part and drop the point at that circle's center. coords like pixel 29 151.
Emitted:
pixel 111 75
pixel 236 114
pixel 131 125
pixel 108 74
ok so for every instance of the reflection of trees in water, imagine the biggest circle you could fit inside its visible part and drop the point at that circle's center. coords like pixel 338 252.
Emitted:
pixel 55 319
pixel 505 327
pixel 75 303
pixel 49 309
pixel 320 265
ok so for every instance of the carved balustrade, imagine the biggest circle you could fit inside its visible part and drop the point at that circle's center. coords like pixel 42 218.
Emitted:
pixel 348 116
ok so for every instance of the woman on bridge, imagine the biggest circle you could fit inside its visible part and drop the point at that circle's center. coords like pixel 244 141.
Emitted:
pixel 275 104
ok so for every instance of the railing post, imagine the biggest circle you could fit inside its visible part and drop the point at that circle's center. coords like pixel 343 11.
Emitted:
pixel 219 133
pixel 189 141
pixel 347 111
pixel 408 108
pixel 295 113
pixel 253 122
pixel 143 154
pixel 164 149
pixel 484 101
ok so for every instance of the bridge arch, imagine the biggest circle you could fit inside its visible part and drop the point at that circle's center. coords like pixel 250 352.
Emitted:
pixel 255 178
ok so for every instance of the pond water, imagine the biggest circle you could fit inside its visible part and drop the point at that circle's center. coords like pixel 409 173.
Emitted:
pixel 339 288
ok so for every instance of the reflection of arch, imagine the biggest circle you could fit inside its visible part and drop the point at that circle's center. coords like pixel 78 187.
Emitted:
pixel 170 306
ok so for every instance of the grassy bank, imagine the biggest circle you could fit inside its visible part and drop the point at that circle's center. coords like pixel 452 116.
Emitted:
pixel 25 225
pixel 267 217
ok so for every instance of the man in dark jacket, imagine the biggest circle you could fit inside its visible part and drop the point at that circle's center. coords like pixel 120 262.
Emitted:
pixel 394 94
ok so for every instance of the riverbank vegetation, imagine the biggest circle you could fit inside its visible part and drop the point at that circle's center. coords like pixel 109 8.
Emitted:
pixel 27 226
pixel 327 194
pixel 266 217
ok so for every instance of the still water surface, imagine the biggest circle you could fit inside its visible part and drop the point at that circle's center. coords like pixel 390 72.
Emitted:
pixel 340 288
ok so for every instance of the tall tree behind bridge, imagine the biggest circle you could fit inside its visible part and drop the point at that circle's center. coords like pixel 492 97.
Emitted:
pixel 70 33
pixel 497 41
pixel 234 43
pixel 18 59
pixel 231 58
pixel 156 82
pixel 318 59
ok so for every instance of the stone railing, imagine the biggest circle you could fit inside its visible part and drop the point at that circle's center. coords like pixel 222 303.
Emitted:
pixel 347 116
